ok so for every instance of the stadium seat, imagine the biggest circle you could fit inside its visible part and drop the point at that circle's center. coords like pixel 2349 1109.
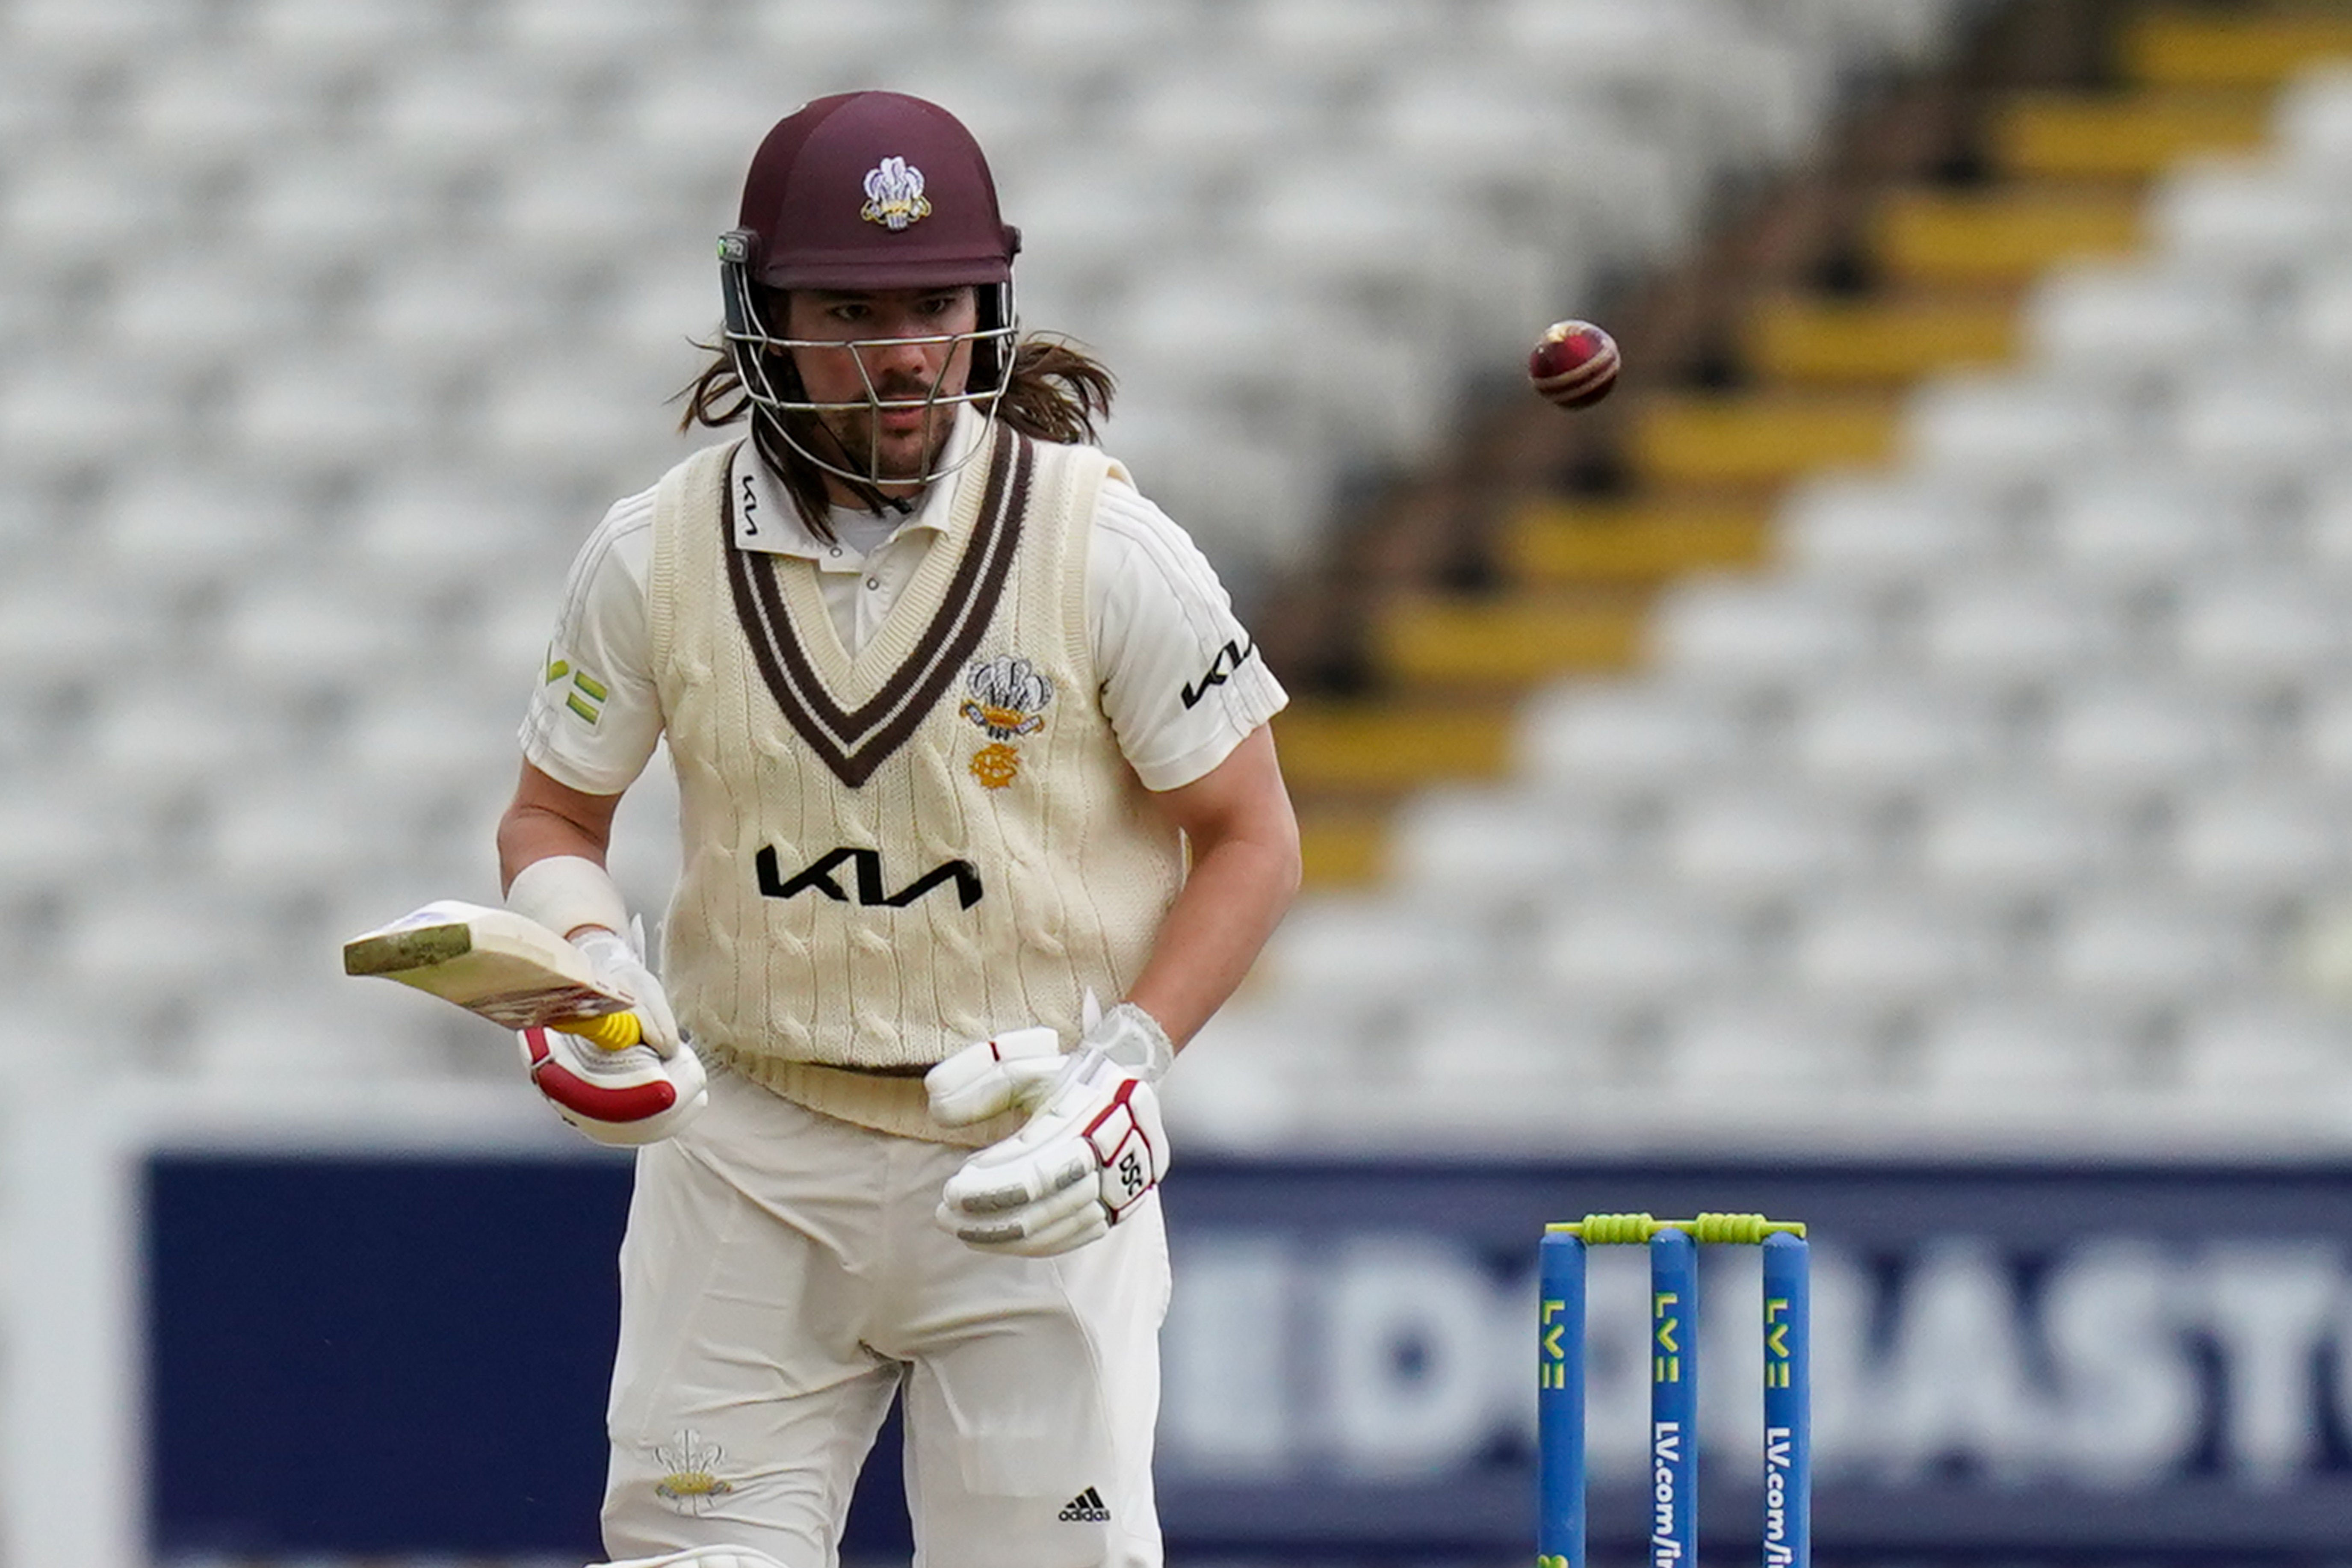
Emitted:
pixel 1625 947
pixel 2265 1051
pixel 2097 321
pixel 2018 840
pixel 1744 844
pixel 183 529
pixel 2142 525
pixel 1887 948
pixel 454 311
pixel 2110 738
pixel 2260 627
pixel 1635 738
pixel 2018 1054
pixel 2272 421
pixel 2132 946
pixel 1894 528
pixel 1736 632
pixel 64 34
pixel 2246 215
pixel 1765 1057
pixel 586 32
pixel 1496 849
pixel 2278 836
pixel 327 34
pixel 212 309
pixel 1365 955
pixel 335 205
pixel 1991 425
pixel 2019 629
pixel 2312 121
pixel 1870 734
pixel 1506 1064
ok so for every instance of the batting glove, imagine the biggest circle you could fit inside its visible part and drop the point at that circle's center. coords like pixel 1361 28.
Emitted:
pixel 621 1098
pixel 1093 1148
pixel 621 967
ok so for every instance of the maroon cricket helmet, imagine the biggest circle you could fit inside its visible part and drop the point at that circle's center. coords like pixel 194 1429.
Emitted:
pixel 859 191
pixel 873 190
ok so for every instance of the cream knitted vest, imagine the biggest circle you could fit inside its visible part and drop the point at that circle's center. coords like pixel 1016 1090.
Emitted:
pixel 889 856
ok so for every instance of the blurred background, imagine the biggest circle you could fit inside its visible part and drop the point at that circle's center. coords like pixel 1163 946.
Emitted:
pixel 1890 760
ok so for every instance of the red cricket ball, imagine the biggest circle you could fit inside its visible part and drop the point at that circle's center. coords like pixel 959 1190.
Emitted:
pixel 1574 364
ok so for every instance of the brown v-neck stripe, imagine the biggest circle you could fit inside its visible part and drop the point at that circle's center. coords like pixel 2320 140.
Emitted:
pixel 853 742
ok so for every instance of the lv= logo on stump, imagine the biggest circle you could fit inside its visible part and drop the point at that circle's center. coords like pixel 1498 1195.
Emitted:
pixel 1007 697
pixel 1671 1525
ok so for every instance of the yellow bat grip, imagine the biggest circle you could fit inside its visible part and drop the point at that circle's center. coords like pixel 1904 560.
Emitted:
pixel 612 1032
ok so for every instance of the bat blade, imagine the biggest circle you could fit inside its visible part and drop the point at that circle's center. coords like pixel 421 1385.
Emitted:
pixel 508 969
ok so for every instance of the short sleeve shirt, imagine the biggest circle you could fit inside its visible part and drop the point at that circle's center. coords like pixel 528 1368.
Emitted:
pixel 1182 681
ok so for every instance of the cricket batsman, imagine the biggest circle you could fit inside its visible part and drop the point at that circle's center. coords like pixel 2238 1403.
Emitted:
pixel 980 821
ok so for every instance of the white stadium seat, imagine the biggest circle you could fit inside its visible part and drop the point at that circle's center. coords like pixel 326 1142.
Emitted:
pixel 2312 120
pixel 2246 214
pixel 2024 1053
pixel 2133 946
pixel 2137 524
pixel 328 34
pixel 67 33
pixel 1494 848
pixel 84 630
pixel 589 32
pixel 2322 740
pixel 2105 320
pixel 2021 628
pixel 210 310
pixel 1889 947
pixel 462 110
pixel 2262 626
pixel 1742 632
pixel 1893 528
pixel 1769 1056
pixel 1745 843
pixel 1631 737
pixel 81 410
pixel 454 310
pixel 1986 425
pixel 1480 1063
pixel 1876 734
pixel 2277 837
pixel 2113 738
pixel 308 411
pixel 2270 422
pixel 1363 953
pixel 2015 841
pixel 2268 1050
pixel 2318 314
pixel 182 529
pixel 334 205
pixel 1622 947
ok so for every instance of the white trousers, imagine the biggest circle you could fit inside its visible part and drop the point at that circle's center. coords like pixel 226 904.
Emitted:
pixel 782 1276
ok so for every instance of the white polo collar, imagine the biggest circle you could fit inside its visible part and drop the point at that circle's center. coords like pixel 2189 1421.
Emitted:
pixel 766 519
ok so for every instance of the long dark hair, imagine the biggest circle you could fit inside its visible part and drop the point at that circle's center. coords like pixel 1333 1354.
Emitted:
pixel 1055 391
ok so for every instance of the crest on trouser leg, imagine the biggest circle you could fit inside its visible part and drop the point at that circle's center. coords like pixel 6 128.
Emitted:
pixel 690 1482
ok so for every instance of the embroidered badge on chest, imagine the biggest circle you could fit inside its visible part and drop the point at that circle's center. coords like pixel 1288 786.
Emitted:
pixel 1007 699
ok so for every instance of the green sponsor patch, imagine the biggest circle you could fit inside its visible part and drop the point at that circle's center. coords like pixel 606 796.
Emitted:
pixel 587 695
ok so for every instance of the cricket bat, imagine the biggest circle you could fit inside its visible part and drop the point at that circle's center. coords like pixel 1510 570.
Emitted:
pixel 509 968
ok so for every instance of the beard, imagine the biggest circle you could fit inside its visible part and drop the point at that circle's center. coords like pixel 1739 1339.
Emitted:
pixel 892 455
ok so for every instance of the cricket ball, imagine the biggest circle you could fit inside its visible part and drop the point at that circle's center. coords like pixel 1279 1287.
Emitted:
pixel 1573 364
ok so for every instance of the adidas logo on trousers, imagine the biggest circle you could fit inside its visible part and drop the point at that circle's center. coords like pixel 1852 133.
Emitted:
pixel 1086 1508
